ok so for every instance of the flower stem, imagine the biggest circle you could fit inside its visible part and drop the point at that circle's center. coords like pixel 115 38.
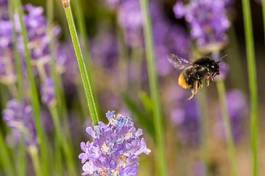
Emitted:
pixel 204 123
pixel 63 142
pixel 227 127
pixel 33 152
pixel 19 72
pixel 33 89
pixel 81 27
pixel 154 88
pixel 5 158
pixel 250 51
pixel 22 165
pixel 85 74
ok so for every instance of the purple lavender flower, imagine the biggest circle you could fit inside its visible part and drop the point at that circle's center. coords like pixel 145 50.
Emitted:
pixel 48 92
pixel 7 74
pixel 114 148
pixel 18 116
pixel 187 120
pixel 237 108
pixel 3 9
pixel 208 21
pixel 131 20
pixel 184 115
pixel 104 50
pixel 37 28
pixel 169 39
pixel 113 4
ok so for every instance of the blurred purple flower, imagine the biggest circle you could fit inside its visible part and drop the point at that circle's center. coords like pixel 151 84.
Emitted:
pixel 187 120
pixel 66 64
pixel 104 50
pixel 184 115
pixel 238 110
pixel 48 92
pixel 39 39
pixel 131 20
pixel 208 21
pixel 3 9
pixel 7 74
pixel 175 40
pixel 114 148
pixel 18 116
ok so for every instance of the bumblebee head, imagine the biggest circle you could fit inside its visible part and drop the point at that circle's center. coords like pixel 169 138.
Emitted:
pixel 214 67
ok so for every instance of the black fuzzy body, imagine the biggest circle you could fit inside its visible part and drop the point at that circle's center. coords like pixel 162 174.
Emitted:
pixel 200 70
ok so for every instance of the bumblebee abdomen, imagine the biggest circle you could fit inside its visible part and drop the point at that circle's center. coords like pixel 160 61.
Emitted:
pixel 183 82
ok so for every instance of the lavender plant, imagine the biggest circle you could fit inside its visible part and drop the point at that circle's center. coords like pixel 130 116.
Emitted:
pixel 114 148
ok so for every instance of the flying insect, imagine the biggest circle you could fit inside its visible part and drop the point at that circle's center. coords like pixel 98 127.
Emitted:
pixel 194 74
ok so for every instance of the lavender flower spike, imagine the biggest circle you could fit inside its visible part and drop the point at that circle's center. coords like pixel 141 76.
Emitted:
pixel 208 21
pixel 114 148
pixel 19 117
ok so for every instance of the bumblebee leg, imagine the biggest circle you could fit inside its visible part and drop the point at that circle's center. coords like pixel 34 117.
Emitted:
pixel 207 82
pixel 200 84
pixel 194 90
pixel 192 94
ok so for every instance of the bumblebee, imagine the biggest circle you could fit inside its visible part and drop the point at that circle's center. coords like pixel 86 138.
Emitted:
pixel 194 74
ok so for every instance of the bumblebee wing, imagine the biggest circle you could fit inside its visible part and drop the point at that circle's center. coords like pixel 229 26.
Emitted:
pixel 178 62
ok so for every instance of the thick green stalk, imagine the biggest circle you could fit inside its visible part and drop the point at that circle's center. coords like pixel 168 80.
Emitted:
pixel 154 88
pixel 227 126
pixel 33 90
pixel 85 74
pixel 250 51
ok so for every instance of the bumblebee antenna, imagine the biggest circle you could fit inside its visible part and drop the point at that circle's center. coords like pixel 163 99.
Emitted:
pixel 221 58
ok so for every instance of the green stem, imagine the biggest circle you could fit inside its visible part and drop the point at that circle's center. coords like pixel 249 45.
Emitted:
pixel 154 88
pixel 19 72
pixel 55 75
pixel 5 158
pixel 204 147
pixel 85 74
pixel 250 51
pixel 21 164
pixel 227 126
pixel 33 89
pixel 33 152
pixel 63 142
pixel 227 123
pixel 81 27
